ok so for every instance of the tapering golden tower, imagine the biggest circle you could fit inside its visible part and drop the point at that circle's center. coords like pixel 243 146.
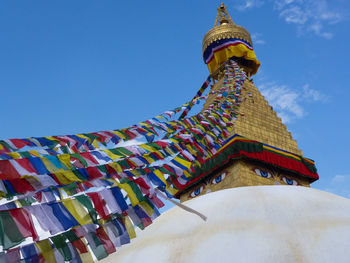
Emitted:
pixel 257 120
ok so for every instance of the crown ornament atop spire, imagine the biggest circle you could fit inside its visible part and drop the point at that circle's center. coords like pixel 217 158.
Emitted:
pixel 223 17
pixel 227 39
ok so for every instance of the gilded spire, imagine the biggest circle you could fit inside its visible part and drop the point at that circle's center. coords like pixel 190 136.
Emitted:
pixel 223 17
pixel 224 27
pixel 226 40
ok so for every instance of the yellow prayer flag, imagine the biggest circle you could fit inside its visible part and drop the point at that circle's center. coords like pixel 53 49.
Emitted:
pixel 174 140
pixel 190 149
pixel 161 154
pixel 168 151
pixel 18 204
pixel 46 250
pixel 95 144
pixel 144 124
pixel 14 155
pixel 119 134
pixel 77 211
pixel 84 137
pixel 201 128
pixel 171 190
pixel 66 177
pixel 116 167
pixel 187 174
pixel 160 175
pixel 149 210
pixel 34 153
pixel 112 155
pixel 129 227
pixel 183 162
pixel 71 176
pixel 135 172
pixel 147 147
pixel 52 139
pixel 132 196
pixel 111 180
pixel 86 258
pixel 148 159
pixel 49 165
pixel 65 159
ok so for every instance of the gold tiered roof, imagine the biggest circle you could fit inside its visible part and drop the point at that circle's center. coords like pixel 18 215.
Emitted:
pixel 224 27
pixel 258 120
pixel 227 40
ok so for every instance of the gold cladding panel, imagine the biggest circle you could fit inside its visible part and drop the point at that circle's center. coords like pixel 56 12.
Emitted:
pixel 257 119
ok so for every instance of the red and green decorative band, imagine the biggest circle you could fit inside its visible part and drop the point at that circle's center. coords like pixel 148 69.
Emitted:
pixel 238 147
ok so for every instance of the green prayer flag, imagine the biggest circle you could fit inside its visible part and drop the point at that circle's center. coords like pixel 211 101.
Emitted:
pixel 85 201
pixel 71 236
pixel 60 243
pixel 125 152
pixel 81 159
pixel 27 201
pixel 9 233
pixel 98 248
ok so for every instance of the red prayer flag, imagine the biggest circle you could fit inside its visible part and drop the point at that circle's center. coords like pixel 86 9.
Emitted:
pixel 7 171
pixel 24 223
pixel 78 244
pixel 93 172
pixel 106 242
pixel 26 164
pixel 99 205
pixel 19 143
pixel 88 157
pixel 158 203
pixel 21 186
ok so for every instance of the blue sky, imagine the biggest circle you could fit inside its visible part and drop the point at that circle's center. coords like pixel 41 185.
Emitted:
pixel 81 66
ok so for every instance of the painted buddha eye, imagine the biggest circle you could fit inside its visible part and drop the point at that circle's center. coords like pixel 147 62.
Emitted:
pixel 289 181
pixel 197 191
pixel 262 173
pixel 219 178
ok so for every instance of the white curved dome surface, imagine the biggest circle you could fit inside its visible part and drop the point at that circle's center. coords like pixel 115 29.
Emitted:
pixel 248 224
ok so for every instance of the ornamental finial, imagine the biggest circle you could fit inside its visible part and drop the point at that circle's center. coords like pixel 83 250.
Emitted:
pixel 223 17
pixel 227 40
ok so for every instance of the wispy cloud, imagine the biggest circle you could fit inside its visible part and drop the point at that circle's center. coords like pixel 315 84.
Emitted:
pixel 247 4
pixel 257 39
pixel 289 102
pixel 339 178
pixel 309 16
pixel 312 94
pixel 294 15
pixel 340 185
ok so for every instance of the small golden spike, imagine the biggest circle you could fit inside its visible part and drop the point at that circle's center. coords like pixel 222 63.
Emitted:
pixel 223 16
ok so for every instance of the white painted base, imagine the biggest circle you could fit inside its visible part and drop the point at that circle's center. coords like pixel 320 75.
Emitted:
pixel 248 224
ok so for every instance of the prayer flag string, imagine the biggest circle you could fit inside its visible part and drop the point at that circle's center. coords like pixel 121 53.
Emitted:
pixel 66 196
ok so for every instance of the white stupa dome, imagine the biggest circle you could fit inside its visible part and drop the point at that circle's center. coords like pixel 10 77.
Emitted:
pixel 248 224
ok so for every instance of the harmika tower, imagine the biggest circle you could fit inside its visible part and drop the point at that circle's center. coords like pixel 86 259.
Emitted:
pixel 279 161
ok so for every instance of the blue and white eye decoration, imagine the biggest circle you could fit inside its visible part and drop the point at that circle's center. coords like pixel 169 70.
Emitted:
pixel 262 173
pixel 289 181
pixel 197 191
pixel 219 178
